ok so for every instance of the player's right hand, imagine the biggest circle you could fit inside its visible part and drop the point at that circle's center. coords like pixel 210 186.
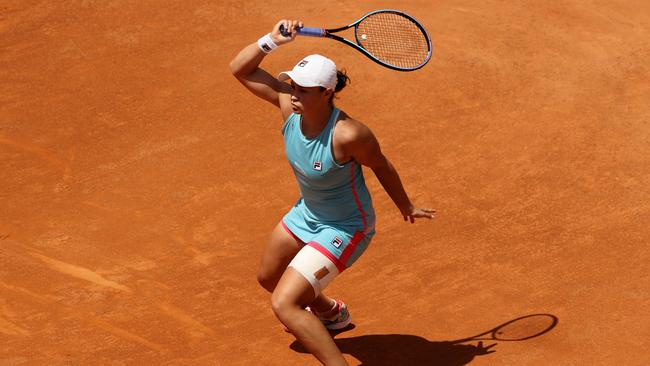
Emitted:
pixel 412 213
pixel 289 25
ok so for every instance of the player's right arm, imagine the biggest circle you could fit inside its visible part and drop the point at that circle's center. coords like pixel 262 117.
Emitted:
pixel 245 67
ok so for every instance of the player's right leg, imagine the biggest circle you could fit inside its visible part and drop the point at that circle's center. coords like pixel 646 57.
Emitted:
pixel 279 251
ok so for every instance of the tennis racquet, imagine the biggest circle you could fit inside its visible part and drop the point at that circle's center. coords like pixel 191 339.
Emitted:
pixel 525 327
pixel 391 38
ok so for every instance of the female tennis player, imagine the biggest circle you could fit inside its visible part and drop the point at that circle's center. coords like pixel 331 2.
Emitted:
pixel 333 221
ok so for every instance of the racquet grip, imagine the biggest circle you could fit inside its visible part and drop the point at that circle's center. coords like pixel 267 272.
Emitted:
pixel 312 32
pixel 305 31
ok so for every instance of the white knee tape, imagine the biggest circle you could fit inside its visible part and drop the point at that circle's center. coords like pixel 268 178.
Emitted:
pixel 315 267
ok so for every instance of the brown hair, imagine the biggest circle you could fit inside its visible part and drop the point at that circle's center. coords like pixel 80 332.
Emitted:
pixel 342 80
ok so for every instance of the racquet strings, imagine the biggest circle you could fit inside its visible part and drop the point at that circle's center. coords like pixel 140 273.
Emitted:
pixel 393 39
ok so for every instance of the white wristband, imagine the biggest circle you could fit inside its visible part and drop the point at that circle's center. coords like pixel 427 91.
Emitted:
pixel 266 43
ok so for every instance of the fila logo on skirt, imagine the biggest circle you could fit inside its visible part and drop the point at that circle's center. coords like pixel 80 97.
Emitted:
pixel 337 242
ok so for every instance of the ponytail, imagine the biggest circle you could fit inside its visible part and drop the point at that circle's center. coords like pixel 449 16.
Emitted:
pixel 342 80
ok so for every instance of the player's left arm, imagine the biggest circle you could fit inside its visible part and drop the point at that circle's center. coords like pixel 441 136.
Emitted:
pixel 362 145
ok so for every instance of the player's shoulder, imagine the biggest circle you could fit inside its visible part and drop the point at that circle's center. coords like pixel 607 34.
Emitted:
pixel 350 130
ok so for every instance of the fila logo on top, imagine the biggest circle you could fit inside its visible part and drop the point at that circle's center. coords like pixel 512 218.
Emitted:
pixel 303 63
pixel 318 165
pixel 337 242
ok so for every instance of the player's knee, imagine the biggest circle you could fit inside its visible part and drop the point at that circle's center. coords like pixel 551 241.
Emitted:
pixel 266 281
pixel 278 304
pixel 281 305
pixel 262 279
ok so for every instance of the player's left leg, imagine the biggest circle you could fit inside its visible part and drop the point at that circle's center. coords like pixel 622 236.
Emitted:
pixel 292 293
pixel 319 270
pixel 329 253
pixel 279 251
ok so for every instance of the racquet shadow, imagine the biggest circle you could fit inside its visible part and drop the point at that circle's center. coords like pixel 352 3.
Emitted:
pixel 409 350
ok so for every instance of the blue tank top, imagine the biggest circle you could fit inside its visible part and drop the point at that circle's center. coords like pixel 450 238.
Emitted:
pixel 332 194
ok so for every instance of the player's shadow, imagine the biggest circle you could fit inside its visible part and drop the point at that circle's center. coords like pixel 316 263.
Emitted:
pixel 410 350
pixel 405 350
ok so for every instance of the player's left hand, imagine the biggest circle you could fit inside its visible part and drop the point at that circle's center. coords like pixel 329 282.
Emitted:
pixel 413 213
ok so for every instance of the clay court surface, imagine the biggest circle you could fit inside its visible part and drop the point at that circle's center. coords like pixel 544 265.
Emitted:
pixel 140 183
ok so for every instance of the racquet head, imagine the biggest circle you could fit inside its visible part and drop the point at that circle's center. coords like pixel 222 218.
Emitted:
pixel 395 39
pixel 526 327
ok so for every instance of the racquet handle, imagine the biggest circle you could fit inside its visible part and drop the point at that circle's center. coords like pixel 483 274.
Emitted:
pixel 305 31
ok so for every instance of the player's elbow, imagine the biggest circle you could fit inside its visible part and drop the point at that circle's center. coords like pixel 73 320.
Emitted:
pixel 235 68
pixel 239 68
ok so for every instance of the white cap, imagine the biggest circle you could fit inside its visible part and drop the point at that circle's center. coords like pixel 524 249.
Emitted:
pixel 313 70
